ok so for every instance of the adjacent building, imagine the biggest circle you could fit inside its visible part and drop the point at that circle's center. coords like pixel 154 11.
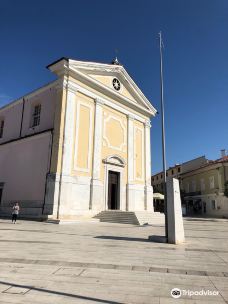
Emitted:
pixel 78 145
pixel 203 183
pixel 157 180
pixel 204 189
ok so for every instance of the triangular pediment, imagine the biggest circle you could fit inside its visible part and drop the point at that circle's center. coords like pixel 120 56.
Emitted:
pixel 112 80
pixel 108 79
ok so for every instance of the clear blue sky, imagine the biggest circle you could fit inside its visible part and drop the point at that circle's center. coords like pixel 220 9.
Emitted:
pixel 195 32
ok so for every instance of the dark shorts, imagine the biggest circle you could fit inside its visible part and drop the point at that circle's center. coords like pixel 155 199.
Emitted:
pixel 14 217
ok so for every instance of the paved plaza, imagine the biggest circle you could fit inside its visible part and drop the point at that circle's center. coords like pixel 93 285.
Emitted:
pixel 111 263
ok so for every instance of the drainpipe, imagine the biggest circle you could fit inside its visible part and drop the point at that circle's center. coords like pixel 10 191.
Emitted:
pixel 22 116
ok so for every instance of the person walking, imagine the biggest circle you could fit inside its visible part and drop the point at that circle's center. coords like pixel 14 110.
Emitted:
pixel 15 212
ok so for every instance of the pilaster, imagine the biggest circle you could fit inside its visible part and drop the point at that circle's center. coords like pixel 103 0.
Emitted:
pixel 96 193
pixel 68 132
pixel 62 150
pixel 147 149
pixel 130 158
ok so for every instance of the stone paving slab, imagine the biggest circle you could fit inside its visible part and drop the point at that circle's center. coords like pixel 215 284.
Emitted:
pixel 111 263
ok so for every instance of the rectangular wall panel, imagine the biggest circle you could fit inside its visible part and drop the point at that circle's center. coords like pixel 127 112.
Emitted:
pixel 83 136
pixel 139 152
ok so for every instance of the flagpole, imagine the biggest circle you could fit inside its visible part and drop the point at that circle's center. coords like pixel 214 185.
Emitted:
pixel 163 135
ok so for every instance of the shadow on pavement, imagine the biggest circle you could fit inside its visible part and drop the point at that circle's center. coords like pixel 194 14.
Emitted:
pixel 151 238
pixel 201 220
pixel 59 293
pixel 120 238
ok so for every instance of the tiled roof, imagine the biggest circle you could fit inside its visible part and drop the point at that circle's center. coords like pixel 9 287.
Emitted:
pixel 221 160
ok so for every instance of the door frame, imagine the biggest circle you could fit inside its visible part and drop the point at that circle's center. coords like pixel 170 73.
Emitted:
pixel 116 164
pixel 117 190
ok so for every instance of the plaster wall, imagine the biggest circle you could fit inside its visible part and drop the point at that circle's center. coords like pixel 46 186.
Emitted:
pixel 12 115
pixel 202 177
pixel 221 205
pixel 24 165
pixel 47 100
pixel 114 139
pixel 12 121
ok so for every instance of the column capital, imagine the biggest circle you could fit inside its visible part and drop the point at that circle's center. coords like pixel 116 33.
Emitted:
pixel 99 101
pixel 61 84
pixel 70 87
pixel 131 117
pixel 65 84
pixel 147 123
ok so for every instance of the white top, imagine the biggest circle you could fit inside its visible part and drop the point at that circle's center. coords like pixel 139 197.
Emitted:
pixel 16 210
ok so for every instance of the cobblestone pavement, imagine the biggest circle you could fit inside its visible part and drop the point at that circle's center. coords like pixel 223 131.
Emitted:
pixel 111 263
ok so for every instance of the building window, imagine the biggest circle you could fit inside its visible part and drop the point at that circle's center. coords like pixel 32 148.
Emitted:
pixel 152 179
pixel 1 128
pixel 213 205
pixel 36 115
pixel 187 188
pixel 193 186
pixel 166 173
pixel 202 184
pixel 179 169
pixel 212 182
pixel 172 172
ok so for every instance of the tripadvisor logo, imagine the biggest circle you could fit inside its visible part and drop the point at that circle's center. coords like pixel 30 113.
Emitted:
pixel 176 293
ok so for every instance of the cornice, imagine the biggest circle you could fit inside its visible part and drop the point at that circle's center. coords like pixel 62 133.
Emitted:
pixel 106 101
pixel 64 65
pixel 99 101
pixel 136 89
pixel 104 89
pixel 93 65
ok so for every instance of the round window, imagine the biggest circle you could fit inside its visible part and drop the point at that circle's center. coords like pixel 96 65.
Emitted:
pixel 116 84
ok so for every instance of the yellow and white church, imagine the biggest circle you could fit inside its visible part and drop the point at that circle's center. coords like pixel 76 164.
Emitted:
pixel 78 145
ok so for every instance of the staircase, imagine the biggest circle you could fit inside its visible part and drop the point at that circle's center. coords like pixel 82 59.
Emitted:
pixel 152 218
pixel 130 217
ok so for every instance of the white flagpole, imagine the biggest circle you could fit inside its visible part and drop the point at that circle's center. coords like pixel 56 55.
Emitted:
pixel 163 135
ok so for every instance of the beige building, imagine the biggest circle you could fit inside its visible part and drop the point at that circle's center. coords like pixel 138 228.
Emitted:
pixel 157 180
pixel 205 189
pixel 203 185
pixel 78 145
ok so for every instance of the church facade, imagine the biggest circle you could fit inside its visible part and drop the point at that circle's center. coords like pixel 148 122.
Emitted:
pixel 77 146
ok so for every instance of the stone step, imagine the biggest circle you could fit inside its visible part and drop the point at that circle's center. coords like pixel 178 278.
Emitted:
pixel 118 221
pixel 150 217
pixel 117 216
pixel 122 217
pixel 130 217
